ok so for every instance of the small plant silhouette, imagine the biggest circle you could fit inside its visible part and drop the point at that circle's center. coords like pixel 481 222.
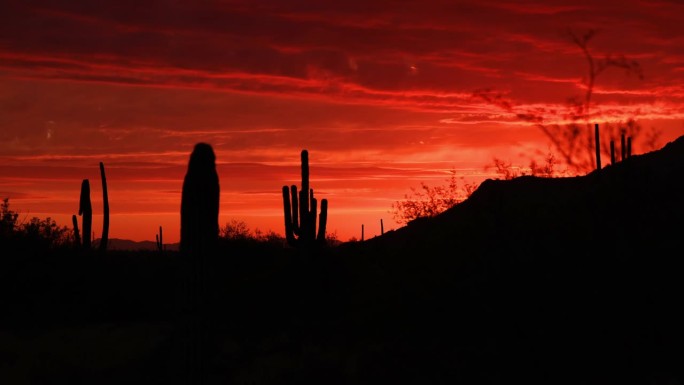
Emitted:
pixel 300 209
pixel 8 220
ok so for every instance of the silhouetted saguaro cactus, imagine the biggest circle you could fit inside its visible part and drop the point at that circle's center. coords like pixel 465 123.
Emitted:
pixel 77 236
pixel 382 227
pixel 160 240
pixel 199 238
pixel 598 147
pixel 300 209
pixel 105 207
pixel 200 203
pixel 85 209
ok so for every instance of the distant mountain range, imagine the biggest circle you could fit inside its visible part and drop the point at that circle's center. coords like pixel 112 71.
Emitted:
pixel 127 244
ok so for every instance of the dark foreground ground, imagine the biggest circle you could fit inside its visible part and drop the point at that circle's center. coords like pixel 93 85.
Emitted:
pixel 339 318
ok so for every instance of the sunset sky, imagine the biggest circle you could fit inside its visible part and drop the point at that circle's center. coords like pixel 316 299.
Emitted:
pixel 383 95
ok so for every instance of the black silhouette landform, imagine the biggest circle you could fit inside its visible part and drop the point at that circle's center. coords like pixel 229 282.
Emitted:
pixel 531 280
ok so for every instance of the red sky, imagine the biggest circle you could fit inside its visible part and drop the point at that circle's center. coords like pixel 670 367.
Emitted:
pixel 381 93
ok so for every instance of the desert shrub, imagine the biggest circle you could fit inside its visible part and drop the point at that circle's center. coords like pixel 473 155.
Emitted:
pixel 548 168
pixel 428 201
pixel 235 230
pixel 237 233
pixel 34 235
pixel 8 220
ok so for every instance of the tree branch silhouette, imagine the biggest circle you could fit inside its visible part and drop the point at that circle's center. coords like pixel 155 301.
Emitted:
pixel 574 141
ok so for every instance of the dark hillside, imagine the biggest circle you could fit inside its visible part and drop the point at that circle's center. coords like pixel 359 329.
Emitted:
pixel 638 201
pixel 563 280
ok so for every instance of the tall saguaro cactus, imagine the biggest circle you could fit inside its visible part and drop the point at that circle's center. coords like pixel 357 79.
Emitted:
pixel 300 209
pixel 105 206
pixel 199 238
pixel 85 209
pixel 200 203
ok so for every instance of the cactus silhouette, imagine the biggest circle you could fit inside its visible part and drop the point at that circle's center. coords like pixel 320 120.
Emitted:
pixel 199 238
pixel 160 240
pixel 77 236
pixel 200 203
pixel 105 207
pixel 85 209
pixel 597 147
pixel 300 209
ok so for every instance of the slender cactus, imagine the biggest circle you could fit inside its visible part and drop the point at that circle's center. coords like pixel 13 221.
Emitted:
pixel 362 230
pixel 105 207
pixel 382 228
pixel 322 220
pixel 85 209
pixel 77 236
pixel 598 147
pixel 160 240
pixel 300 209
pixel 622 148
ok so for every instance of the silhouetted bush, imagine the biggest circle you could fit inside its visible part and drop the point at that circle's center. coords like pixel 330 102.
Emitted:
pixel 30 237
pixel 427 201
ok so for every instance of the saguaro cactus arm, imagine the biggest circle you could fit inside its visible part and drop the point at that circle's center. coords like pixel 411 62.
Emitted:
pixel 288 210
pixel 313 216
pixel 295 210
pixel 304 204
